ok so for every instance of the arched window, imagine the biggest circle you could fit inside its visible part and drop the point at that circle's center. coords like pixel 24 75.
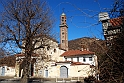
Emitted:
pixel 63 72
pixel 54 50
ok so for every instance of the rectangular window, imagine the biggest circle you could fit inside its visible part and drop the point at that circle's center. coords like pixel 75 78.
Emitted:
pixel 65 59
pixel 90 59
pixel 84 59
pixel 77 59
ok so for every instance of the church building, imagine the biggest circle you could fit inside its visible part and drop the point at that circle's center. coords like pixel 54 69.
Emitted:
pixel 61 62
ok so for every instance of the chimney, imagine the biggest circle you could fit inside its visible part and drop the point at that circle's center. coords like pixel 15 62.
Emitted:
pixel 82 49
pixel 87 49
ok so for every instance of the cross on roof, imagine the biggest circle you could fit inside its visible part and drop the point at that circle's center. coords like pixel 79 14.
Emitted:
pixel 63 9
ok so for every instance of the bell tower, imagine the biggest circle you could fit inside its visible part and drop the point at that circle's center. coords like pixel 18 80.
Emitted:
pixel 63 32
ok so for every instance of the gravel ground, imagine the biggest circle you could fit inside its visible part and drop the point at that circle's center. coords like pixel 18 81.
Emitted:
pixel 33 80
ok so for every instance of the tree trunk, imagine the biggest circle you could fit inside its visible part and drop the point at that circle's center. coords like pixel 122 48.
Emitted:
pixel 26 68
pixel 24 79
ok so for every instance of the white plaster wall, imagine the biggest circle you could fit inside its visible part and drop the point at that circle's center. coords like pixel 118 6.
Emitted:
pixel 79 71
pixel 93 62
pixel 80 59
pixel 9 71
pixel 68 59
pixel 53 72
pixel 73 71
pixel 56 55
pixel 87 61
pixel 75 59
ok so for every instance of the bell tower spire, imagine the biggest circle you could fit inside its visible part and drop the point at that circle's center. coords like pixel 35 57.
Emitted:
pixel 63 33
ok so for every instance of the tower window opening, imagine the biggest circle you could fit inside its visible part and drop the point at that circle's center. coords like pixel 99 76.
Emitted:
pixel 62 20
pixel 62 17
pixel 62 41
pixel 62 33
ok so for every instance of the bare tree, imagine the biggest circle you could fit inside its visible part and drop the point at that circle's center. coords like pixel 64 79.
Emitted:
pixel 23 21
pixel 2 53
pixel 114 72
pixel 118 9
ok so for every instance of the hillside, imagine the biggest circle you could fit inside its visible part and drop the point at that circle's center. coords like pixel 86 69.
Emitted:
pixel 8 60
pixel 93 44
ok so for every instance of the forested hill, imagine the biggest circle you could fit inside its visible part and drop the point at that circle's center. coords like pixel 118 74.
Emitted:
pixel 8 61
pixel 95 45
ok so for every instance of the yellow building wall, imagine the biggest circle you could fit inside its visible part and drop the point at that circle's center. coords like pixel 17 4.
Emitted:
pixel 79 71
pixel 54 72
pixel 73 71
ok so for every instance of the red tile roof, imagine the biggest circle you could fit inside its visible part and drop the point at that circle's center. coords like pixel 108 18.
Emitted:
pixel 76 52
pixel 117 21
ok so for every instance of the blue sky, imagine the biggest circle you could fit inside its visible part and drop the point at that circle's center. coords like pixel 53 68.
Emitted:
pixel 82 16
